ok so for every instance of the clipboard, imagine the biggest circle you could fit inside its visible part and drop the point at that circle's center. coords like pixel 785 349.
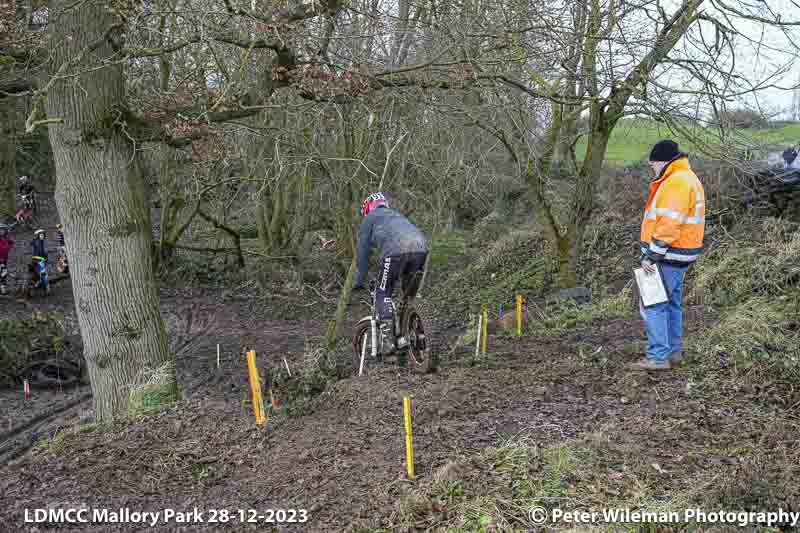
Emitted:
pixel 651 287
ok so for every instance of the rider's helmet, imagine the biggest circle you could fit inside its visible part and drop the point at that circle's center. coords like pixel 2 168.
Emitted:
pixel 59 227
pixel 38 234
pixel 372 202
pixel 23 179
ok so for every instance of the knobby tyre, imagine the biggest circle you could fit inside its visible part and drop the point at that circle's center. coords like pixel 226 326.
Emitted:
pixel 362 339
pixel 421 355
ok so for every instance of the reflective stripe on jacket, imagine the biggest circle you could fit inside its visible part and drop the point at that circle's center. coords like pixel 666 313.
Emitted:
pixel 674 218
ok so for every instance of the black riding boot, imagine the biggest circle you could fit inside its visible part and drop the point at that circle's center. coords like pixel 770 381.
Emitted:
pixel 387 336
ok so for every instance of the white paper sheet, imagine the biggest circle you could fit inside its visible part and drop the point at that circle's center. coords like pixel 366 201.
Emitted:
pixel 651 287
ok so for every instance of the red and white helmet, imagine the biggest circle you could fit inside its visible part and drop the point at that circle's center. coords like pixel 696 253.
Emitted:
pixel 372 202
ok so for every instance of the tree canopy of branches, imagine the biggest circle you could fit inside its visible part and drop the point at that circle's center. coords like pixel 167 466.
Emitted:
pixel 293 110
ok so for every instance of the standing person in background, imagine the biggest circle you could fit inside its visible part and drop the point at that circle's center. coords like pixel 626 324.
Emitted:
pixel 6 243
pixel 62 249
pixel 39 258
pixel 26 190
pixel 671 240
pixel 789 157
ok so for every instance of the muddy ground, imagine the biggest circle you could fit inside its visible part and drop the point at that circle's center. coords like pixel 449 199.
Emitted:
pixel 340 455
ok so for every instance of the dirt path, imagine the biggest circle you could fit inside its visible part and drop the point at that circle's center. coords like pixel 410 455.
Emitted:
pixel 342 457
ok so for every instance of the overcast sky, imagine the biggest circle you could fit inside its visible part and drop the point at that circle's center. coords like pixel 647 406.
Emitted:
pixel 762 50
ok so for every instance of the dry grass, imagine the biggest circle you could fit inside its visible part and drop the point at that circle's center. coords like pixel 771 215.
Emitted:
pixel 753 275
pixel 500 484
pixel 155 389
pixel 761 259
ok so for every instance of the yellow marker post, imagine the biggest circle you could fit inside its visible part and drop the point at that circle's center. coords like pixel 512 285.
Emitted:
pixel 519 315
pixel 409 440
pixel 485 320
pixel 255 387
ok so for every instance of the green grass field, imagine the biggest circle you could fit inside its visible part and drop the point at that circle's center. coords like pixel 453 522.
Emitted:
pixel 632 139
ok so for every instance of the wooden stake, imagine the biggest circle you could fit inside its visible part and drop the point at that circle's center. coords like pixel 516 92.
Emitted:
pixel 217 355
pixel 485 320
pixel 287 367
pixel 409 438
pixel 255 387
pixel 478 335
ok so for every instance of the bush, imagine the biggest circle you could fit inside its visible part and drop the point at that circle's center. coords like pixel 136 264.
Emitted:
pixel 742 118
pixel 517 263
pixel 761 260
pixel 760 336
pixel 754 276
pixel 26 343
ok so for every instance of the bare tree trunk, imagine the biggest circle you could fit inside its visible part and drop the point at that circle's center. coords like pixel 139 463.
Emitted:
pixel 569 246
pixel 100 195
pixel 8 153
pixel 329 342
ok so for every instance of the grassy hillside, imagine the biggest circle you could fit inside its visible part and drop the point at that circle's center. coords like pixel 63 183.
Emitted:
pixel 632 139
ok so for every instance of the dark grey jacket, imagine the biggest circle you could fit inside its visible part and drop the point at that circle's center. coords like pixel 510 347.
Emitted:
pixel 391 233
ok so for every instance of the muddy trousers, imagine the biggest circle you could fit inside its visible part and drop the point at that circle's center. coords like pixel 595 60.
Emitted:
pixel 394 268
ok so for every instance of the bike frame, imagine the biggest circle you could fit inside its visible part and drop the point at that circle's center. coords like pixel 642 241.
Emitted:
pixel 372 318
pixel 399 312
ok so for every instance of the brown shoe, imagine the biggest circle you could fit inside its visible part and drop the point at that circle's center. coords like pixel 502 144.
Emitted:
pixel 675 357
pixel 649 364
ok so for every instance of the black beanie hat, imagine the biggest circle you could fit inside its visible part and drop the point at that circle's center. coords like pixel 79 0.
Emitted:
pixel 665 150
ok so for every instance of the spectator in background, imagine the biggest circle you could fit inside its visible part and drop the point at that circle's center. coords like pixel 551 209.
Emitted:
pixel 789 157
pixel 796 162
pixel 39 258
pixel 6 243
pixel 62 249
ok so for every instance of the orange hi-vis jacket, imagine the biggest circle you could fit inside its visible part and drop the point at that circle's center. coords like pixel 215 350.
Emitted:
pixel 675 215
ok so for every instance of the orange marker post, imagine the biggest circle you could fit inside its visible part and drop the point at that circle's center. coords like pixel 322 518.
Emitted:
pixel 519 315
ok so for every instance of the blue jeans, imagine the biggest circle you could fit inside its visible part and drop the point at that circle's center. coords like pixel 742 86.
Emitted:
pixel 664 322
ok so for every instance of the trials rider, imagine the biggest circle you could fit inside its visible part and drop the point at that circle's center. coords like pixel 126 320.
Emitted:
pixel 403 250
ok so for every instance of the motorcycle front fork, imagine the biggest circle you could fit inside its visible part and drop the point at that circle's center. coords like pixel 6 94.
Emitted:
pixel 375 329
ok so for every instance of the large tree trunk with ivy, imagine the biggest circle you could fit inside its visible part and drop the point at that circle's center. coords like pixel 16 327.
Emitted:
pixel 100 195
pixel 8 166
